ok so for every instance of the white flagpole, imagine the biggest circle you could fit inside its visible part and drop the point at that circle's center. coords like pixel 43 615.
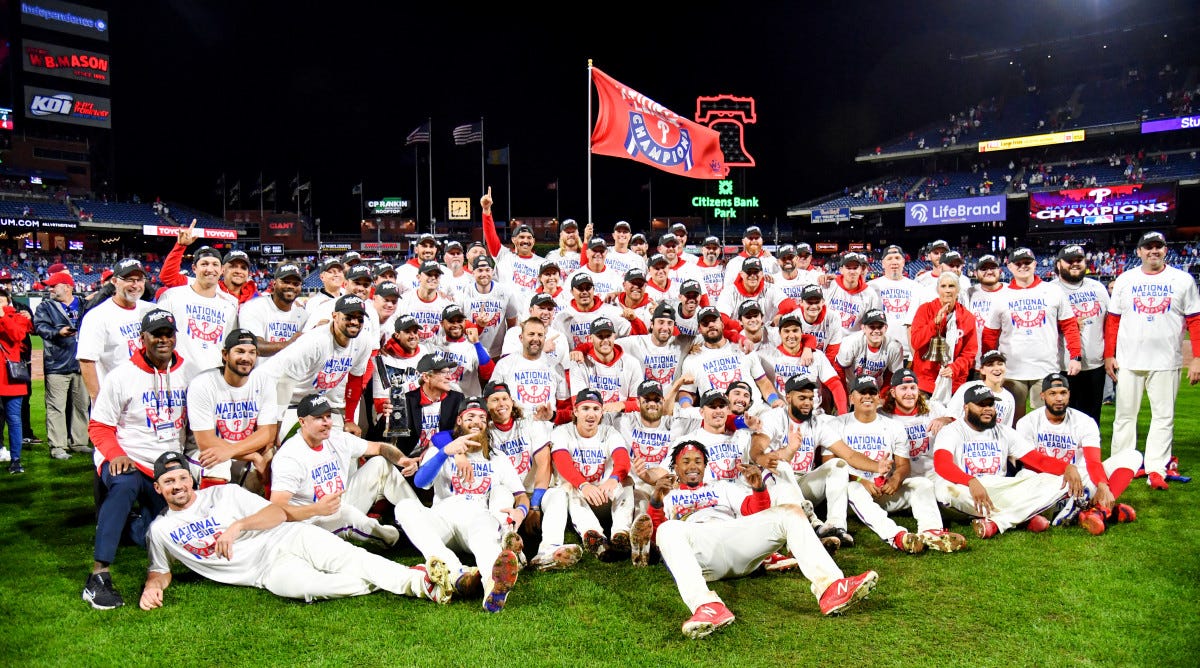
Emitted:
pixel 482 162
pixel 431 230
pixel 508 165
pixel 589 143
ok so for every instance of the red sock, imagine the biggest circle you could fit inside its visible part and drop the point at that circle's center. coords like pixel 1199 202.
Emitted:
pixel 1119 480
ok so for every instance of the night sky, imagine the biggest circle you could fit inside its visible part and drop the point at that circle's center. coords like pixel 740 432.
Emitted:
pixel 332 89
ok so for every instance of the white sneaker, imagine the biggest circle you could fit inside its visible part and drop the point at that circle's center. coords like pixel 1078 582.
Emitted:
pixel 4 455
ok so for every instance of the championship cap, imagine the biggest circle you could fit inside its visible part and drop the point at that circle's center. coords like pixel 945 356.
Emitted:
pixel 430 267
pixel 542 299
pixel 952 258
pixel 128 266
pixel 453 311
pixel 792 318
pixel 314 405
pixel 648 387
pixel 406 322
pixel 712 241
pixel 978 394
pixel 237 337
pixel 656 259
pixel 482 261
pixel 987 261
pixel 811 291
pixel 287 269
pixel 473 244
pixel 588 395
pixel 992 356
pixel 452 246
pixel 753 231
pixel 472 403
pixel 797 383
pixel 851 258
pixel 1071 253
pixel 668 239
pixel 678 227
pixel 1152 238
pixel 581 279
pixel 597 243
pixel 690 286
pixel 803 249
pixel 158 319
pixel 387 289
pixel 621 225
pixel 60 278
pixel 235 256
pixel 711 397
pixel 903 377
pixel 663 310
pixel 1022 254
pixel 874 316
pixel 787 250
pixel 736 384
pixel 349 304
pixel 495 388
pixel 331 262
pixel 522 229
pixel 865 385
pixel 358 272
pixel 940 243
pixel 205 251
pixel 435 362
pixel 352 257
pixel 751 264
pixel 634 275
pixel 747 307
pixel 638 238
pixel 1055 379
pixel 893 249
pixel 549 266
pixel 425 238
pixel 387 268
pixel 706 313
pixel 169 461
pixel 600 325
pixel 568 224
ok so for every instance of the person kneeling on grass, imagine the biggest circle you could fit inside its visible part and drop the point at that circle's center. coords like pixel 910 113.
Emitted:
pixel 228 534
pixel 705 535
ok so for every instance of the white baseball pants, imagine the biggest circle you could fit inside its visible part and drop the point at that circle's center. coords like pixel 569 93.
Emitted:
pixel 583 518
pixel 915 493
pixel 1016 499
pixel 1162 387
pixel 446 528
pixel 828 481
pixel 376 479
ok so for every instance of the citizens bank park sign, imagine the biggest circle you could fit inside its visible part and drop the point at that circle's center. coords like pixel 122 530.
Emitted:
pixel 66 63
pixel 63 107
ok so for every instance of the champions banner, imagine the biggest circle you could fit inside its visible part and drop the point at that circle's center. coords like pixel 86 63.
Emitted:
pixel 631 125
pixel 1130 203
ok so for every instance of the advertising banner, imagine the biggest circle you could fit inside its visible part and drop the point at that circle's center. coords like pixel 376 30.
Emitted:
pixel 66 62
pixel 1032 140
pixel 1125 204
pixel 202 232
pixel 56 105
pixel 1168 124
pixel 830 215
pixel 280 228
pixel 65 17
pixel 955 211
pixel 387 205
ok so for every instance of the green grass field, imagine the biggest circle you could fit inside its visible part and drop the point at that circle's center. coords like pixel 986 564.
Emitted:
pixel 1126 598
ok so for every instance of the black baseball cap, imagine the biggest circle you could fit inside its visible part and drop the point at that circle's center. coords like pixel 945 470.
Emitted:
pixel 992 356
pixel 621 224
pixel 425 238
pixel 568 224
pixel 711 241
pixel 952 257
pixel 803 249
pixel 586 395
pixel 1055 379
pixel 668 239
pixel 406 322
pixel 435 362
pixel 549 265
pixel 482 261
pixel 602 325
pixel 235 256
pixel 386 268
pixel 893 248
pixel 206 251
pixel 940 243
pixel 287 269
pixel 353 256
pixel 453 311
pixel 128 266
pixel 350 304
pixel 663 310
pixel 903 377
pixel 787 250
pixel 1021 254
pixel 874 316
pixel 690 286
pixel 634 275
pixel 452 245
pixel 656 258
pixel 387 289
pixel 978 394
pixel 542 299
pixel 865 385
pixel 522 229
pixel 331 262
pixel 158 319
pixel 580 279
pixel 638 238
pixel 751 264
pixel 237 337
pixel 747 307
pixel 169 461
pixel 752 231
pixel 736 384
pixel 358 272
pixel 430 267
pixel 852 258
pixel 678 227
pixel 1152 238
pixel 648 387
pixel 472 403
pixel 708 312
pixel 597 243
pixel 1071 253
pixel 987 261
pixel 314 405
pixel 811 291
pixel 798 383
pixel 711 397
pixel 495 388
pixel 792 318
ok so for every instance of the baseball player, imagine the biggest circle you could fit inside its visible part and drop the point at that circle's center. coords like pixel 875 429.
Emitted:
pixel 396 363
pixel 276 319
pixel 898 294
pixel 649 434
pixel 426 302
pixel 229 535
pixel 491 305
pixel 711 268
pixel 206 312
pixel 233 413
pixel 408 275
pixel 661 352
pixel 981 295
pixel 537 379
pixel 333 277
pixel 751 284
pixel 477 512
pixel 543 307
pixel 140 413
pixel 575 318
pixel 633 296
pixel 235 268
pixel 1150 306
pixel 719 363
pixel 358 283
pixel 681 235
pixel 606 280
pixel 970 457
pixel 110 333
pixel 659 285
pixel 603 366
pixel 679 268
pixel 314 477
pixel 870 352
pixel 620 257
pixel 848 295
pixel 708 532
pixel 920 417
pixel 569 246
pixel 462 345
pixel 1088 299
pixel 795 356
pixel 519 267
pixel 752 247
pixel 993 368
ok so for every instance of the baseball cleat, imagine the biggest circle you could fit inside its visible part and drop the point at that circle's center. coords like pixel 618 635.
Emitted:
pixel 513 541
pixel 1092 521
pixel 596 543
pixel 1155 480
pixel 1173 472
pixel 708 618
pixel 942 540
pixel 389 534
pixel 845 538
pixel 469 583
pixel 640 537
pixel 437 584
pixel 562 557
pixel 504 576
pixel 811 514
pixel 100 593
pixel 1122 513
pixel 619 547
pixel 909 542
pixel 842 594
pixel 1067 510
pixel 984 528
pixel 778 562
pixel 1037 524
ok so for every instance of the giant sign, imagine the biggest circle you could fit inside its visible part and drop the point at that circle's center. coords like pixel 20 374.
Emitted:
pixel 280 228
pixel 66 62
pixel 65 17
pixel 955 211
pixel 1122 204
pixel 55 105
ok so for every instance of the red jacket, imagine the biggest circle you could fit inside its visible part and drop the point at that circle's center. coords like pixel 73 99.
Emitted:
pixel 14 327
pixel 965 348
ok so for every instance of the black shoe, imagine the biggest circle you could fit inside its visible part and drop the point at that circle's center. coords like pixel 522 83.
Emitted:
pixel 100 593
pixel 32 440
pixel 15 467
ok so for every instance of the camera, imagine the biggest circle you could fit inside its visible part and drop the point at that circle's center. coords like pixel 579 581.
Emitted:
pixel 396 420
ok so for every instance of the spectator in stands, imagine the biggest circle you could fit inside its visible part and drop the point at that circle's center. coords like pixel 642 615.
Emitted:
pixel 57 322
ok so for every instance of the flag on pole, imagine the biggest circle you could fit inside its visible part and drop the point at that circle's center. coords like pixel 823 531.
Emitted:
pixel 468 134
pixel 646 186
pixel 257 187
pixel 356 190
pixel 301 188
pixel 295 181
pixel 418 136
pixel 269 192
pixel 553 185
pixel 498 156
pixel 235 192
pixel 632 126
pixel 221 186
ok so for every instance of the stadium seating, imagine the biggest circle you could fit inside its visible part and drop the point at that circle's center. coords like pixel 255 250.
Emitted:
pixel 119 212
pixel 35 209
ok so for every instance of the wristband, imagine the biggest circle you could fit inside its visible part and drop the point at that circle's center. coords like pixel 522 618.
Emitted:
pixel 536 499
pixel 774 396
pixel 740 422
pixel 525 509
pixel 685 401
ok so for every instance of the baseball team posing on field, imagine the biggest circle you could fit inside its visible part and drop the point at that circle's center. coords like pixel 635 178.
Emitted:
pixel 667 405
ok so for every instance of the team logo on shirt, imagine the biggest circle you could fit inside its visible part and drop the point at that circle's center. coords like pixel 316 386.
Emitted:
pixel 204 323
pixel 236 420
pixel 159 406
pixel 332 373
pixel 895 305
pixel 982 458
pixel 479 486
pixel 1151 305
pixel 198 538
pixel 1028 319
pixel 685 503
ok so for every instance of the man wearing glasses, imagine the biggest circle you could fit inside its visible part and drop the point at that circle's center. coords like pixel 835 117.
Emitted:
pixel 110 333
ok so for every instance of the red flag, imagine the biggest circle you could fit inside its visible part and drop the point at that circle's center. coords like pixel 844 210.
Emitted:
pixel 631 125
